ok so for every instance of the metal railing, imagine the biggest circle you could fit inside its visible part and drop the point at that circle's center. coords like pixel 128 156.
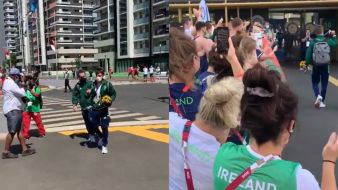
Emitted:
pixel 141 21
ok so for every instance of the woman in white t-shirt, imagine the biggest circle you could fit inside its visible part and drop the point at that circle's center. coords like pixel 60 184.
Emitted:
pixel 218 112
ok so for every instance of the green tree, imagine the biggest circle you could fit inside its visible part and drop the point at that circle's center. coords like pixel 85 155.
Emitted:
pixel 78 62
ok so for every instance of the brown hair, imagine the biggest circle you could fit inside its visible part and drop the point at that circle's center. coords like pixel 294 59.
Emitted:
pixel 236 22
pixel 220 64
pixel 99 71
pixel 246 47
pixel 265 117
pixel 181 54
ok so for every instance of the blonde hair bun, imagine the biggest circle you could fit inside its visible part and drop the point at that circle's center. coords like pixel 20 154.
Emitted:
pixel 220 105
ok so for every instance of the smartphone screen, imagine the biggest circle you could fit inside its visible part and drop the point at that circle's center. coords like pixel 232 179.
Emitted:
pixel 222 36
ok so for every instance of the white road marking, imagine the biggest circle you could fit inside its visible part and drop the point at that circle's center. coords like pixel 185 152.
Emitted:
pixel 152 117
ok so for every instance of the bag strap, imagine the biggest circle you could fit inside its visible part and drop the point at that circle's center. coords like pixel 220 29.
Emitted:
pixel 247 173
pixel 187 170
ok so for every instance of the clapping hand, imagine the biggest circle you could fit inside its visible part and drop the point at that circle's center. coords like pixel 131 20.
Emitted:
pixel 330 150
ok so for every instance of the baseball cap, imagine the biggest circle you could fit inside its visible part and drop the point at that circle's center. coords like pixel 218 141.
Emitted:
pixel 14 71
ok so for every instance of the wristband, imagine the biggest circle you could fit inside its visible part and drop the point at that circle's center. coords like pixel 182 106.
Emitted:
pixel 329 161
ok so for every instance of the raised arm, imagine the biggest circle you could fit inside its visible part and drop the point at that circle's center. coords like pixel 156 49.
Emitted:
pixel 330 154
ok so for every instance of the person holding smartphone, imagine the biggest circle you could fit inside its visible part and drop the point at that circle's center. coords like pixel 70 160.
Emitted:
pixel 203 45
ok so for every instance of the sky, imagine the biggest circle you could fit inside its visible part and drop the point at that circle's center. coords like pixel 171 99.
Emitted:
pixel 2 32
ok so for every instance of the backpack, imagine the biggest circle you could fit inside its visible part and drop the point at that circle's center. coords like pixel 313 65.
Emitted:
pixel 321 53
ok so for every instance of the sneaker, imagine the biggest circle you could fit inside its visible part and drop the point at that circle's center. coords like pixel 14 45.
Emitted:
pixel 318 101
pixel 28 152
pixel 100 143
pixel 9 155
pixel 92 139
pixel 322 105
pixel 104 150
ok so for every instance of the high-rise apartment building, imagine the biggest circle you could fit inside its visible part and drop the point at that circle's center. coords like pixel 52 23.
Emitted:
pixel 10 24
pixel 69 26
pixel 132 32
pixel 105 33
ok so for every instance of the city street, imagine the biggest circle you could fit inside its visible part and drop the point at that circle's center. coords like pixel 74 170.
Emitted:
pixel 138 153
pixel 138 149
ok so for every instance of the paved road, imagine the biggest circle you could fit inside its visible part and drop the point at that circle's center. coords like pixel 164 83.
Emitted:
pixel 314 125
pixel 137 158
pixel 141 102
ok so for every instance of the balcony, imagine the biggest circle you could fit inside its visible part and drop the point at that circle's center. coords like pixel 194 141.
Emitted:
pixel 8 16
pixel 11 29
pixel 65 41
pixel 8 4
pixel 63 2
pixel 140 21
pixel 104 43
pixel 161 49
pixel 11 41
pixel 13 23
pixel 97 31
pixel 64 21
pixel 141 35
pixel 12 35
pixel 90 6
pixel 141 50
pixel 63 12
pixel 65 31
pixel 9 10
pixel 141 6
pixel 160 2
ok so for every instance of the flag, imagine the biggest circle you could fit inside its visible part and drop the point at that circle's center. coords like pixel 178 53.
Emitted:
pixel 52 44
pixel 204 11
pixel 33 6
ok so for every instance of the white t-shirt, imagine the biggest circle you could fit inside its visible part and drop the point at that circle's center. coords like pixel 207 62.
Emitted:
pixel 145 70
pixel 202 150
pixel 151 70
pixel 98 93
pixel 305 179
pixel 12 96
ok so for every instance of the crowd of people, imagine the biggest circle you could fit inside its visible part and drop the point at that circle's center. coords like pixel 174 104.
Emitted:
pixel 231 114
pixel 23 102
pixel 149 73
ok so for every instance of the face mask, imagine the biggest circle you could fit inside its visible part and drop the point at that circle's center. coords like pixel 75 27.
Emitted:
pixel 98 79
pixel 82 79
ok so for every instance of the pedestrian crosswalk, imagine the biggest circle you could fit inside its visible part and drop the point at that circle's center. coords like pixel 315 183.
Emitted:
pixel 58 113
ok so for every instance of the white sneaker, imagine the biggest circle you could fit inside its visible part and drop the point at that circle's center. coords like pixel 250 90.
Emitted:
pixel 104 150
pixel 91 138
pixel 318 101
pixel 322 105
pixel 100 143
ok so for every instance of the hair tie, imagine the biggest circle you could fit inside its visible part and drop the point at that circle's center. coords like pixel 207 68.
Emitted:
pixel 259 91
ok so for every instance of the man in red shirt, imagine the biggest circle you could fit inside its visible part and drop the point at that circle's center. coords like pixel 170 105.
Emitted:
pixel 110 72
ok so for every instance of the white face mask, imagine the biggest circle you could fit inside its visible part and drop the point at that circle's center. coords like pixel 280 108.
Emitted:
pixel 98 79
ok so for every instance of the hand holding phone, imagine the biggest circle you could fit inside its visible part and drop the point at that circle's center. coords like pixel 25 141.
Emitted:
pixel 222 36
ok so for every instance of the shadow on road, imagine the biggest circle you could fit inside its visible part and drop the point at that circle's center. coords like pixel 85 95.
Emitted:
pixel 85 143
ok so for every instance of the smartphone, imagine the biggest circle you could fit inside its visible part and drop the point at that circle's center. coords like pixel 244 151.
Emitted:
pixel 222 36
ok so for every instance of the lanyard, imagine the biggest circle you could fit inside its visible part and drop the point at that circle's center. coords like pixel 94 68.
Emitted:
pixel 244 175
pixel 173 101
pixel 187 170
pixel 240 137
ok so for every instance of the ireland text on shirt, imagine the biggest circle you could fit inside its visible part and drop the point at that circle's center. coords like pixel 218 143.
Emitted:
pixel 250 183
pixel 184 101
pixel 192 149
